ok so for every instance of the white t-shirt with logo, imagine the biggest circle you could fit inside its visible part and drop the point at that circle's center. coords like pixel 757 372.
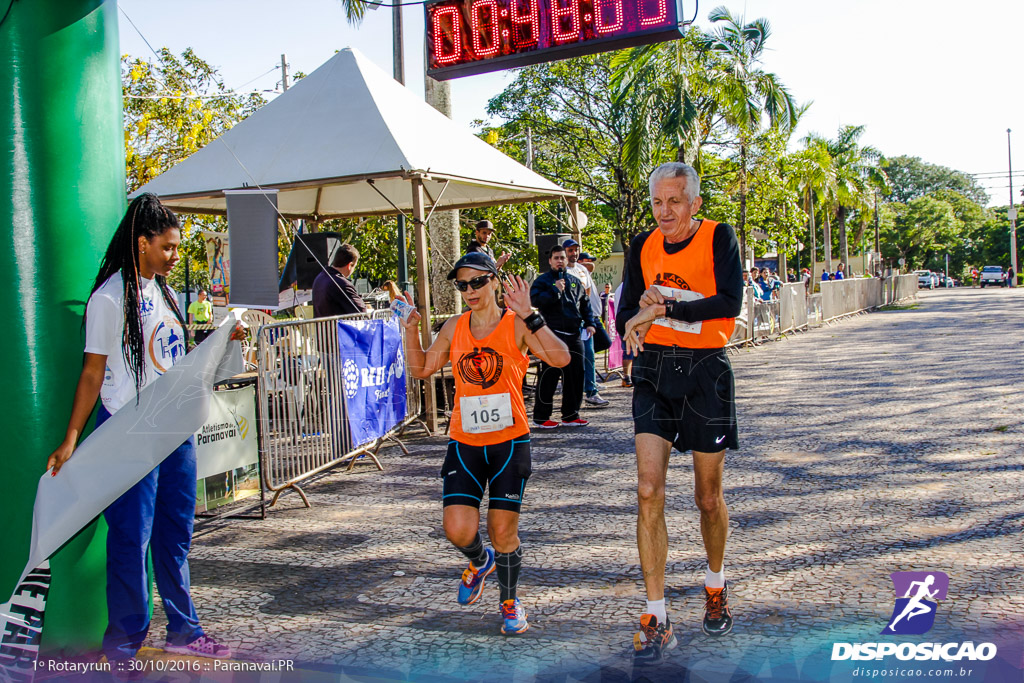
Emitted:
pixel 163 337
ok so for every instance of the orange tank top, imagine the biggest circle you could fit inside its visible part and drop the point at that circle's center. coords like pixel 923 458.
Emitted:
pixel 488 367
pixel 691 269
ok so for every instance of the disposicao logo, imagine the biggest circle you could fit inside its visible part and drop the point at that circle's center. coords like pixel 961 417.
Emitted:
pixel 917 594
pixel 914 612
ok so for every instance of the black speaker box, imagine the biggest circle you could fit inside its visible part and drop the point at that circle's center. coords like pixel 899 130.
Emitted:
pixel 544 244
pixel 309 251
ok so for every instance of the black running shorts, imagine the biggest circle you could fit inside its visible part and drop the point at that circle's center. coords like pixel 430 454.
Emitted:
pixel 685 396
pixel 503 468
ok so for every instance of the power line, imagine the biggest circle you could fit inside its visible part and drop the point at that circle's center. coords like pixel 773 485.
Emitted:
pixel 995 173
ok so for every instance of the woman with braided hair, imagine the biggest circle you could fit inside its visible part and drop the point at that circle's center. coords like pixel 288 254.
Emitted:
pixel 134 332
pixel 490 432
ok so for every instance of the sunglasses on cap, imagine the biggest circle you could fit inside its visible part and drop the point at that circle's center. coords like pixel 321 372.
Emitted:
pixel 475 283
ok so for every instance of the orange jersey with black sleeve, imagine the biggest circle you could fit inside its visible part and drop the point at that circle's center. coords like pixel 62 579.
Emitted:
pixel 489 373
pixel 703 274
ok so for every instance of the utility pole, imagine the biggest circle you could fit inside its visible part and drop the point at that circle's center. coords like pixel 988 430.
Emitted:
pixel 878 249
pixel 284 72
pixel 531 229
pixel 398 60
pixel 1012 215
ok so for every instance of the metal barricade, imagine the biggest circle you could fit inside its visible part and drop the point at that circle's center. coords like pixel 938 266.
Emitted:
pixel 814 309
pixel 904 287
pixel 846 297
pixel 792 307
pixel 766 319
pixel 305 428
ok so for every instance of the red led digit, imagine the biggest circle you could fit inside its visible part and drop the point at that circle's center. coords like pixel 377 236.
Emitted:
pixel 454 31
pixel 484 45
pixel 659 17
pixel 601 8
pixel 526 27
pixel 565 21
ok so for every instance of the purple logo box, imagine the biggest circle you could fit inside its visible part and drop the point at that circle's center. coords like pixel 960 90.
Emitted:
pixel 901 582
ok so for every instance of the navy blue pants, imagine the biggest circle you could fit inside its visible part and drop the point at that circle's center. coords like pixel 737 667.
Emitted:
pixel 155 515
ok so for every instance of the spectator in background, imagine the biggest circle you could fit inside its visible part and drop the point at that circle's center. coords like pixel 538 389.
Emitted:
pixel 825 277
pixel 774 284
pixel 1011 279
pixel 791 276
pixel 604 303
pixel 480 242
pixel 582 273
pixel 839 272
pixel 333 291
pixel 627 355
pixel 589 262
pixel 755 275
pixel 763 284
pixel 392 289
pixel 200 312
pixel 560 298
pixel 806 276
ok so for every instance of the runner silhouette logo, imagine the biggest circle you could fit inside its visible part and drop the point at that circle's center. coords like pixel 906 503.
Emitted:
pixel 917 594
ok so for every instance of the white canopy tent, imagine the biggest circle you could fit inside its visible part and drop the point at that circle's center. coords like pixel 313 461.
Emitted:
pixel 345 124
pixel 349 140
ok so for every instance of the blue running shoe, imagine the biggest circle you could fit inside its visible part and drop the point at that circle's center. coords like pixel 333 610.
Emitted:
pixel 515 617
pixel 472 583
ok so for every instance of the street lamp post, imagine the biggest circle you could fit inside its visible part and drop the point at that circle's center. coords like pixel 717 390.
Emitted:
pixel 1012 216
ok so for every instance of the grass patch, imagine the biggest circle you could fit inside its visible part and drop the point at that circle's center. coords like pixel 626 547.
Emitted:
pixel 1001 428
pixel 900 307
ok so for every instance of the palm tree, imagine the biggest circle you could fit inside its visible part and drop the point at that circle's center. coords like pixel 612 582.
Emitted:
pixel 743 91
pixel 355 10
pixel 858 173
pixel 814 177
pixel 689 88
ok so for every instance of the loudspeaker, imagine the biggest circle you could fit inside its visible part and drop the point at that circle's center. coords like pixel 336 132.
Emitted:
pixel 544 244
pixel 309 251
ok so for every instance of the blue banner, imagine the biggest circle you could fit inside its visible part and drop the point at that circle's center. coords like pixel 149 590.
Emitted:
pixel 373 373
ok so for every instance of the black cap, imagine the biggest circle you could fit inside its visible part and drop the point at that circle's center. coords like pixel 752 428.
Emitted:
pixel 484 225
pixel 570 243
pixel 586 257
pixel 476 260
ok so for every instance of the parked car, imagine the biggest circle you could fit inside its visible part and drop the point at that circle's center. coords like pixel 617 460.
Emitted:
pixel 993 275
pixel 946 281
pixel 926 278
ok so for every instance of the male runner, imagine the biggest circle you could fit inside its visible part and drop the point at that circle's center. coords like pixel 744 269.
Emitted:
pixel 490 433
pixel 683 289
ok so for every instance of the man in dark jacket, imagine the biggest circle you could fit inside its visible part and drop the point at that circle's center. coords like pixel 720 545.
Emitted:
pixel 333 291
pixel 562 300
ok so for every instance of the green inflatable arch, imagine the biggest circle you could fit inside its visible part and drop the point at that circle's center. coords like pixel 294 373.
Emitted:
pixel 62 192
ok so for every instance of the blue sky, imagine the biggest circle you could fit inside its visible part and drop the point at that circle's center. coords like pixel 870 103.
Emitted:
pixel 930 78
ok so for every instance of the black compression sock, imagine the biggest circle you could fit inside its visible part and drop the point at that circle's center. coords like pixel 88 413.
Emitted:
pixel 508 572
pixel 475 552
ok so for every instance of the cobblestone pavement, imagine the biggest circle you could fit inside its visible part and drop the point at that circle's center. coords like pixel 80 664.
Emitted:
pixel 887 442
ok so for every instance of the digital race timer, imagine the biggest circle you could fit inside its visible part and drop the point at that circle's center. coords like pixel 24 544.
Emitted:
pixel 466 37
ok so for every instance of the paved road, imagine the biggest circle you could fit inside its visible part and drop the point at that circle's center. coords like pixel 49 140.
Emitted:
pixel 886 442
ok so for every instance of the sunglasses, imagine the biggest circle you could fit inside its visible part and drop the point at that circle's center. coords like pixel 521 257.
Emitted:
pixel 475 283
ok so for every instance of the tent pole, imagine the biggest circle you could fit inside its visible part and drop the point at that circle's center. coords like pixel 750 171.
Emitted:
pixel 574 218
pixel 423 295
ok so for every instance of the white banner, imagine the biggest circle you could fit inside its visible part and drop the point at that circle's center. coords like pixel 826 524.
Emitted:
pixel 227 440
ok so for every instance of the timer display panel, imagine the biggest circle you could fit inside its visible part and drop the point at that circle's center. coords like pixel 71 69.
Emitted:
pixel 466 37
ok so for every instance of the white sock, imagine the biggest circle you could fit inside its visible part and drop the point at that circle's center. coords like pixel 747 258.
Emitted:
pixel 657 608
pixel 715 579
